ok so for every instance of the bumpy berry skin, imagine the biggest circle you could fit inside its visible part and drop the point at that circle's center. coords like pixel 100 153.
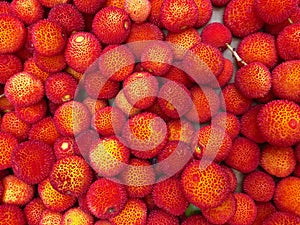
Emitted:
pixel 7 144
pixel 259 47
pixel 71 175
pixel 32 161
pixel 68 17
pixel 50 64
pixel 11 215
pixel 52 199
pixel 31 67
pixel 51 217
pixel 71 118
pixel 108 156
pixel 13 34
pixel 48 38
pixel 138 10
pixel 244 155
pixel 288 43
pixel 205 11
pixel 60 87
pixel 253 80
pixel 111 25
pixel 33 113
pixel 16 191
pixel 9 65
pixel 24 89
pixel 77 217
pixel 246 210
pixel 82 50
pixel 28 11
pixel 286 196
pixel 264 210
pixel 281 218
pixel 196 220
pixel 229 122
pixel 105 198
pixel 286 80
pixel 64 147
pixel 161 217
pixel 241 19
pixel 90 7
pixel 211 180
pixel 259 185
pixel 278 161
pixel 134 212
pixel 34 210
pixel 178 16
pixel 274 12
pixel 169 196
pixel 279 123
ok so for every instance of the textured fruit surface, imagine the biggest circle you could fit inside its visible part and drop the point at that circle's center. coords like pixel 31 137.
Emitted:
pixel 253 80
pixel 169 196
pixel 48 38
pixel 177 16
pixel 225 76
pixel 204 187
pixel 180 130
pixel 222 213
pixel 50 217
pixel 71 175
pixel 7 144
pixel 77 216
pixel 31 67
pixel 52 199
pixel 146 134
pixel 249 126
pixel 50 64
pixel 108 156
pixel 278 161
pixel 240 17
pixel 68 17
pixel 111 25
pixel 279 124
pixel 11 215
pixel 206 104
pixel 286 80
pixel 9 65
pixel 138 10
pixel 229 122
pixel 71 118
pixel 203 63
pixel 182 41
pixel 157 58
pixel 32 161
pixel 264 210
pixel 205 11
pixel 90 7
pixel 161 217
pixel 246 210
pixel 138 176
pixel 24 89
pixel 82 50
pixel 259 47
pixel 244 155
pixel 27 11
pixel 217 35
pixel 34 210
pixel 106 198
pixel 274 12
pixel 212 143
pixel 174 99
pixel 288 43
pixel 60 87
pixel 141 89
pixel 15 191
pixel 13 34
pixel 286 196
pixel 33 113
pixel 134 212
pixel 259 185
pixel 64 147
pixel 196 220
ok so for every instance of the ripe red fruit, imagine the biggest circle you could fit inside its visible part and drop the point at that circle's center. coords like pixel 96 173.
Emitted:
pixel 211 180
pixel 71 175
pixel 32 161
pixel 225 76
pixel 177 16
pixel 205 11
pixel 82 50
pixel 195 220
pixel 77 216
pixel 64 147
pixel 161 217
pixel 33 113
pixel 9 65
pixel 90 7
pixel 227 121
pixel 281 218
pixel 106 198
pixel 13 34
pixel 68 17
pixel 111 25
pixel 50 64
pixel 240 17
pixel 50 217
pixel 244 155
pixel 34 210
pixel 31 67
pixel 60 87
pixel 28 11
pixel 24 89
pixel 8 143
pixel 138 10
pixel 264 210
pixel 259 185
pixel 280 118
pixel 11 215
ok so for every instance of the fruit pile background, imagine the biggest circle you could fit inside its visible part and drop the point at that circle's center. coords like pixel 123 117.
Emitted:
pixel 150 112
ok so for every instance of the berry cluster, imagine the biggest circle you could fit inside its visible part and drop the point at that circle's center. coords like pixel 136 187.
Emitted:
pixel 126 112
